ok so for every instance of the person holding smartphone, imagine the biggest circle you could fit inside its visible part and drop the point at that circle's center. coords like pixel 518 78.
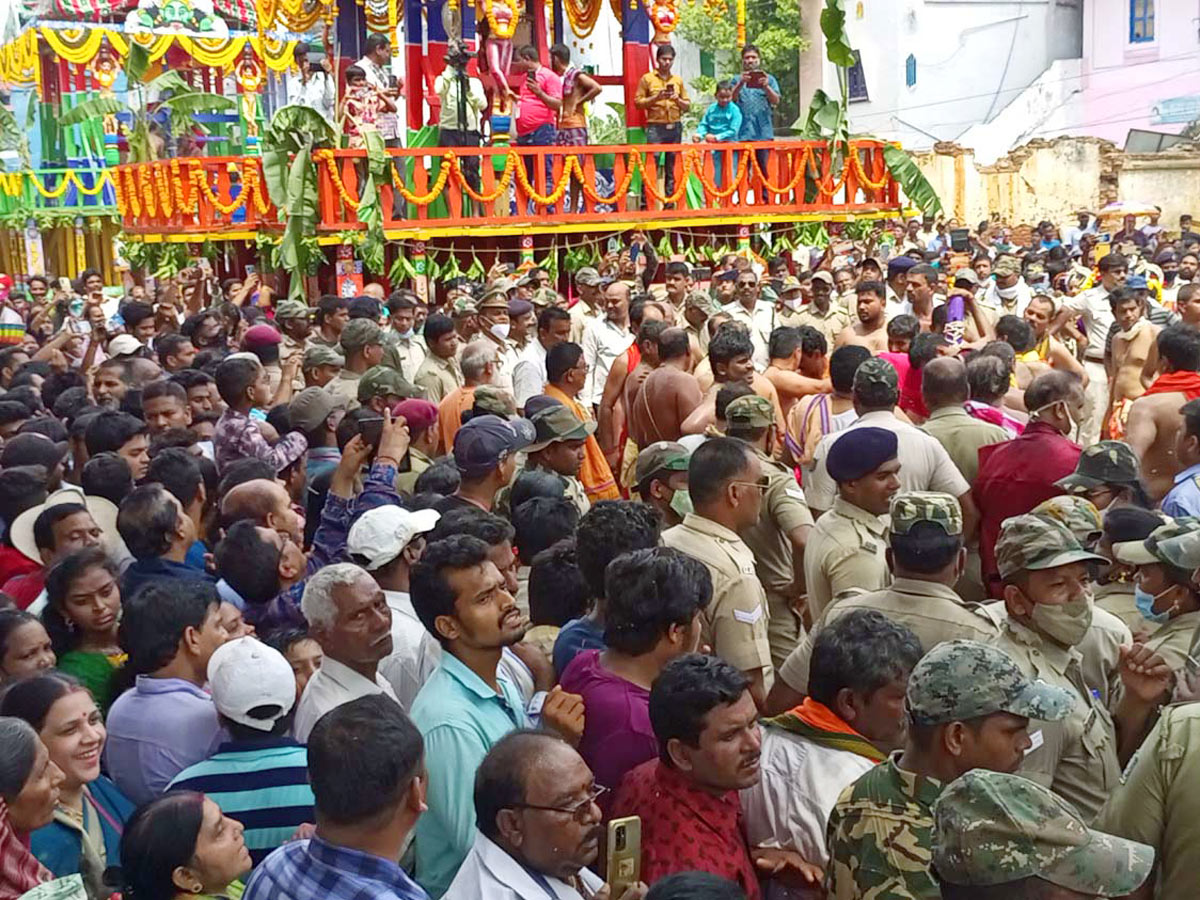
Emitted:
pixel 757 94
pixel 662 96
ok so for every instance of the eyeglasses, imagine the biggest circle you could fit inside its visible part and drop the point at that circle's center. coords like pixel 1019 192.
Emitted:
pixel 579 812
pixel 763 482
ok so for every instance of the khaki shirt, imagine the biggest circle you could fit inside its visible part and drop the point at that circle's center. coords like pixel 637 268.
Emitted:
pixel 406 482
pixel 735 622
pixel 933 611
pixel 437 377
pixel 405 356
pixel 783 509
pixel 1157 802
pixel 289 349
pixel 1118 598
pixel 345 388
pixel 962 435
pixel 315 339
pixel 581 316
pixel 506 362
pixel 845 552
pixel 1077 756
pixel 830 324
pixel 1173 641
pixel 573 491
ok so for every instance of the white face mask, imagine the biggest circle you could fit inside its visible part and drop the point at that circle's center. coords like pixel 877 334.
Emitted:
pixel 793 303
pixel 500 330
pixel 1008 293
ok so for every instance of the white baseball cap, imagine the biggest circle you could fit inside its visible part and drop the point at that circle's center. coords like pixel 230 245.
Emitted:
pixel 245 674
pixel 123 345
pixel 381 533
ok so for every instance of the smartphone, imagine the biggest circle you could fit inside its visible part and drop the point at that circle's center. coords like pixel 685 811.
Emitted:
pixel 624 854
pixel 614 245
pixel 250 270
pixel 371 429
pixel 80 327
pixel 959 239
pixel 1104 238
pixel 64 284
pixel 634 251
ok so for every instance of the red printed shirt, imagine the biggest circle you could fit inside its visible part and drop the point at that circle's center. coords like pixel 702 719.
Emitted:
pixel 685 828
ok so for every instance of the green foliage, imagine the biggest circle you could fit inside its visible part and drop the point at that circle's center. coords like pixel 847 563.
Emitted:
pixel 370 212
pixel 607 129
pixel 771 25
pixel 95 108
pixel 912 181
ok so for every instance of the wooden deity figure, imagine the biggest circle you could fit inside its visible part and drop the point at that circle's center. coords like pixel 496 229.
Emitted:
pixel 663 18
pixel 496 30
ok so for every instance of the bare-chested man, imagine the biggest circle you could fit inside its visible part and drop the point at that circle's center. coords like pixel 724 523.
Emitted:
pixel 798 363
pixel 870 330
pixel 1131 347
pixel 578 88
pixel 612 415
pixel 1048 351
pixel 731 353
pixel 1187 305
pixel 920 286
pixel 667 396
pixel 1154 418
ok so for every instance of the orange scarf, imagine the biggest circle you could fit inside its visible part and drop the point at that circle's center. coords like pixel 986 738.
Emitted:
pixel 1186 383
pixel 597 477
pixel 821 725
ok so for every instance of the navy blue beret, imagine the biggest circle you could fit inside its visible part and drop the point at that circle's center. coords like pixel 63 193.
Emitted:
pixel 860 451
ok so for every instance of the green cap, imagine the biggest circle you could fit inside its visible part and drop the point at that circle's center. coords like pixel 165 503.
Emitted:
pixel 1031 543
pixel 1079 515
pixel 545 297
pixel 1183 550
pixel 291 309
pixel 912 507
pixel 464 305
pixel 557 423
pixel 495 400
pixel 380 381
pixel 360 333
pixel 877 371
pixel 320 355
pixel 311 407
pixel 661 456
pixel 1149 551
pixel 703 301
pixel 750 411
pixel 961 680
pixel 1106 462
pixel 990 828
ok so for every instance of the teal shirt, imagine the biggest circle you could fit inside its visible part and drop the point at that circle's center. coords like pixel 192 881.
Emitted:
pixel 460 718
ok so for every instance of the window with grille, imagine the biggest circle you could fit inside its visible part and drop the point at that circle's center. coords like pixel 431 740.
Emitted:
pixel 856 80
pixel 1141 21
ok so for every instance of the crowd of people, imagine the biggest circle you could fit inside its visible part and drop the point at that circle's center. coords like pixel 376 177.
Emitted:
pixel 849 573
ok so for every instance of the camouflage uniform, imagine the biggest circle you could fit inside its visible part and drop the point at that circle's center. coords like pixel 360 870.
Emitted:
pixel 880 831
pixel 1103 463
pixel 1077 757
pixel 995 829
pixel 783 511
pixel 933 611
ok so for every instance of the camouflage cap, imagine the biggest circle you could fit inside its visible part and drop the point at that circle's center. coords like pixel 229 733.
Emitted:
pixel 990 828
pixel 877 370
pixel 320 355
pixel 1150 551
pixel 383 381
pixel 1079 515
pixel 750 411
pixel 495 400
pixel 702 300
pixel 1032 543
pixel 464 305
pixel 911 507
pixel 588 276
pixel 1182 550
pixel 360 333
pixel 661 456
pixel 1007 265
pixel 558 423
pixel 546 297
pixel 960 680
pixel 1106 462
pixel 291 309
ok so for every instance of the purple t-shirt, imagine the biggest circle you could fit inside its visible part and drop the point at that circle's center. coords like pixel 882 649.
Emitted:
pixel 616 734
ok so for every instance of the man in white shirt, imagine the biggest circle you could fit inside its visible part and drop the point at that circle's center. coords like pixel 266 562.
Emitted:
pixel 538 827
pixel 588 308
pixel 377 64
pixel 349 617
pixel 313 84
pixel 606 339
pixel 529 376
pixel 756 314
pixel 388 541
pixel 1093 308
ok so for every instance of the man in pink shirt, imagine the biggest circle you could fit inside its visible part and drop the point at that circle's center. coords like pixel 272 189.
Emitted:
pixel 540 101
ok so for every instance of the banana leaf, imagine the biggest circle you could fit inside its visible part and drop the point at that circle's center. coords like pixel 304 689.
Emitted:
pixel 912 180
pixel 136 63
pixel 95 108
pixel 837 41
pixel 301 193
pixel 291 122
pixel 197 101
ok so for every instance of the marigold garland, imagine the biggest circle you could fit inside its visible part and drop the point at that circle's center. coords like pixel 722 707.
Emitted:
pixel 791 185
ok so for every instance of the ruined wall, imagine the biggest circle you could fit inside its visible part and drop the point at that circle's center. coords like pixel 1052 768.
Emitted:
pixel 1050 179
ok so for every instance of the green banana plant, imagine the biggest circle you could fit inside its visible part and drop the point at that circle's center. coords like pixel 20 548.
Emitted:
pixel 370 212
pixel 828 119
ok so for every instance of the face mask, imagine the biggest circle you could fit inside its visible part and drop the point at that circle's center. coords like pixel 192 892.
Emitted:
pixel 1145 604
pixel 1169 278
pixel 793 303
pixel 1067 623
pixel 406 335
pixel 681 503
pixel 500 330
pixel 1008 293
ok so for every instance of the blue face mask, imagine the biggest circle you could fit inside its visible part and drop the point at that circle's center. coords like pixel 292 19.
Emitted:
pixel 406 335
pixel 1145 605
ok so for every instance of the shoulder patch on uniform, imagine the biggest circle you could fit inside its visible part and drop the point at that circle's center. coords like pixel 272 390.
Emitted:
pixel 795 493
pixel 1035 740
pixel 749 616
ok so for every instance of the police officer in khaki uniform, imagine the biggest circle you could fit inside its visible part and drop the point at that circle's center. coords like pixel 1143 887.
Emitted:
pixel 847 549
pixel 822 313
pixel 698 307
pixel 777 539
pixel 927 557
pixel 292 317
pixel 559 449
pixel 439 374
pixel 382 387
pixel 1048 608
pixel 726 483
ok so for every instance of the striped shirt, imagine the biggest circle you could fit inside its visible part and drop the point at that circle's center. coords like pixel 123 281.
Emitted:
pixel 262 784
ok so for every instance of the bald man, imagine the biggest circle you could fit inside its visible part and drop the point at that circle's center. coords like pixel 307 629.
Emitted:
pixel 264 502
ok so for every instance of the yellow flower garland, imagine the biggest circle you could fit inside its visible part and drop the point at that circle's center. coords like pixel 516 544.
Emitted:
pixel 507 32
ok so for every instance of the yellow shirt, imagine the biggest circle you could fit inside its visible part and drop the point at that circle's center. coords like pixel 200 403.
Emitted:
pixel 665 111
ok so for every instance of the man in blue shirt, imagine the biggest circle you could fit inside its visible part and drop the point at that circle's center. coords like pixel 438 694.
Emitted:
pixel 1184 498
pixel 367 804
pixel 159 534
pixel 465 706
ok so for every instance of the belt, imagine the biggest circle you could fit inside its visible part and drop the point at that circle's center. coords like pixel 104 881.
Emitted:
pixel 1099 360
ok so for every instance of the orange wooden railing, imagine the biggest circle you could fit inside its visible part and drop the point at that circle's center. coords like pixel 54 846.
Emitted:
pixel 438 187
